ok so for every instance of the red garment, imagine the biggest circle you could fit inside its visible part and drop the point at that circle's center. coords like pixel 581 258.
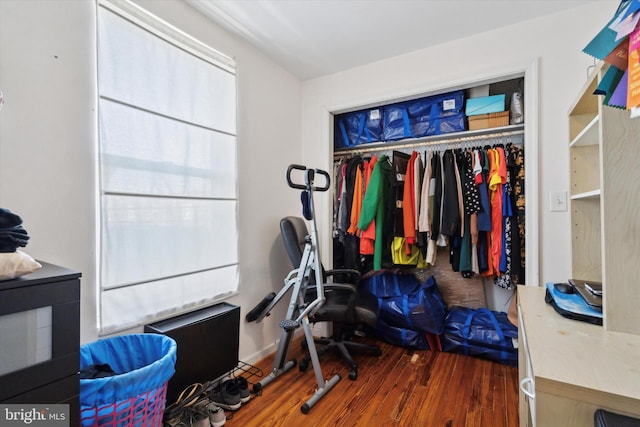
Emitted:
pixel 497 178
pixel 408 204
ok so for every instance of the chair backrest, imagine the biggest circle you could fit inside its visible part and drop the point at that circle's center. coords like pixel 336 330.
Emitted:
pixel 294 232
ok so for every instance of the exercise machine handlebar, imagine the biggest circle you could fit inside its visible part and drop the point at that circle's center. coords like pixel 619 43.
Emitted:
pixel 309 176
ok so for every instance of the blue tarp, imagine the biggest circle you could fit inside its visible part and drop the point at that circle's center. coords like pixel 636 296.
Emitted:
pixel 142 362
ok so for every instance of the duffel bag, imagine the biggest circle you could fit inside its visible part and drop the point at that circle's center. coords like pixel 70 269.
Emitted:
pixel 406 303
pixel 358 127
pixel 481 333
pixel 390 284
pixel 399 336
pixel 431 115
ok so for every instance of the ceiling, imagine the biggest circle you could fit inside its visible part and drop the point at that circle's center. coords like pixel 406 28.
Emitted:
pixel 311 38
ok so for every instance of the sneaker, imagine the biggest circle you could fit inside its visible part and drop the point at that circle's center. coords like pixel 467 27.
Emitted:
pixel 226 395
pixel 217 417
pixel 214 413
pixel 243 388
pixel 193 417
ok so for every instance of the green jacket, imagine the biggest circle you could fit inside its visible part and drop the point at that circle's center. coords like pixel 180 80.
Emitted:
pixel 374 205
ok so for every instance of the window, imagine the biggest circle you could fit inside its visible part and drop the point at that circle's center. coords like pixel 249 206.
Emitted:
pixel 167 170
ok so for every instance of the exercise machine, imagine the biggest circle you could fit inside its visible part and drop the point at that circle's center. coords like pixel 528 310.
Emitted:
pixel 301 306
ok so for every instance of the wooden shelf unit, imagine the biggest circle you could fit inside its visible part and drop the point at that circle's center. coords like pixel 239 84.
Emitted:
pixel 569 368
pixel 604 156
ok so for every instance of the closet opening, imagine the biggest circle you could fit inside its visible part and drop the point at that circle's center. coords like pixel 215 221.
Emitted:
pixel 436 168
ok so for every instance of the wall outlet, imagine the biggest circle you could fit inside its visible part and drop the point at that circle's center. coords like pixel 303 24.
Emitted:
pixel 558 201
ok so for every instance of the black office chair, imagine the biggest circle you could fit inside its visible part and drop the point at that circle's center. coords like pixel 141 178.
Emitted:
pixel 346 307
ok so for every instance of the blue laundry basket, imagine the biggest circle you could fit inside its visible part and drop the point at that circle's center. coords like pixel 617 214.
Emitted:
pixel 136 395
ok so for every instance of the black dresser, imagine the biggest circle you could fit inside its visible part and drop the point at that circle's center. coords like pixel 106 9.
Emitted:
pixel 40 338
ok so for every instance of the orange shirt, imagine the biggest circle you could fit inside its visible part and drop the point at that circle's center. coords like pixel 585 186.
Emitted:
pixel 356 204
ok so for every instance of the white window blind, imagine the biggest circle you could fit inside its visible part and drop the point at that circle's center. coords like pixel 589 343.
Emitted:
pixel 168 170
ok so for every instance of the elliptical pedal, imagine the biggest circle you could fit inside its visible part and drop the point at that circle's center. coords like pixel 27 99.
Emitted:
pixel 289 324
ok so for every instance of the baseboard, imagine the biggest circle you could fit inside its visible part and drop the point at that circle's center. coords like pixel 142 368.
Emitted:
pixel 269 350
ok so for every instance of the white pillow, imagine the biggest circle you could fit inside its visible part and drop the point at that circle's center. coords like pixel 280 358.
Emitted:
pixel 16 264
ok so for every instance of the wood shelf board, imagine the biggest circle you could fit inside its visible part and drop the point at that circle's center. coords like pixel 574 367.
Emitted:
pixel 582 124
pixel 578 356
pixel 590 133
pixel 593 194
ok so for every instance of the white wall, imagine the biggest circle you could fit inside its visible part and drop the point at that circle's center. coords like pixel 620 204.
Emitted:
pixel 48 142
pixel 555 42
pixel 47 133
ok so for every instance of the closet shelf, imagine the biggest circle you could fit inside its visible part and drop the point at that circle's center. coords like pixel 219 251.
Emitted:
pixel 449 138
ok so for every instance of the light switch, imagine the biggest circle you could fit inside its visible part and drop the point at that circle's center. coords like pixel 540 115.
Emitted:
pixel 558 201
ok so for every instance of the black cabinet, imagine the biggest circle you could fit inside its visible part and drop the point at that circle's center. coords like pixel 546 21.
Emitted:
pixel 208 341
pixel 41 334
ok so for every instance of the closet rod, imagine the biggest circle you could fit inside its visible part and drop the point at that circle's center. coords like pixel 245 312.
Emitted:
pixel 427 141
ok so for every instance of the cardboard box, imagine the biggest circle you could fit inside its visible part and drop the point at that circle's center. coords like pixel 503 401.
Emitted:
pixel 484 105
pixel 492 120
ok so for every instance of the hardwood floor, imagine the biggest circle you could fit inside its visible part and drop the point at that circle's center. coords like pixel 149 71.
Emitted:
pixel 400 388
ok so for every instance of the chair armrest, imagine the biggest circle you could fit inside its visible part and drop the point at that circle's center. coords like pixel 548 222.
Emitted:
pixel 340 286
pixel 353 275
pixel 347 287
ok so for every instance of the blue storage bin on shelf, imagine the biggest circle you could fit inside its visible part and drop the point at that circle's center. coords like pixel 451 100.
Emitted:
pixel 485 105
pixel 431 115
pixel 135 395
pixel 358 127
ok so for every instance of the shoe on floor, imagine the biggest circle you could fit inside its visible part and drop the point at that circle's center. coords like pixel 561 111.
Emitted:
pixel 193 417
pixel 217 417
pixel 214 413
pixel 226 396
pixel 243 388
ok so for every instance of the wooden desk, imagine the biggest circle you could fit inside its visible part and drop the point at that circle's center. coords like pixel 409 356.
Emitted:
pixel 576 367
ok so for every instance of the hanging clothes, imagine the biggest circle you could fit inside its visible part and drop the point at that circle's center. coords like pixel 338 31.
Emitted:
pixel 408 204
pixel 368 235
pixel 374 206
pixel 418 174
pixel 356 204
pixel 437 195
pixel 504 280
pixel 426 208
pixel 517 175
pixel 471 203
pixel 495 198
pixel 450 207
pixel 467 200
